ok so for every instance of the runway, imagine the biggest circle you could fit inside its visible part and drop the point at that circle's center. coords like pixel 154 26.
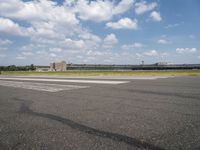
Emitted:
pixel 99 113
pixel 65 80
pixel 40 86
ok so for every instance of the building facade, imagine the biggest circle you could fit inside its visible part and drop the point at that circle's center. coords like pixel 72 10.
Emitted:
pixel 58 66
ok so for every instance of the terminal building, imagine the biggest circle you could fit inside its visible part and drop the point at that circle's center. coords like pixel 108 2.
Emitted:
pixel 58 66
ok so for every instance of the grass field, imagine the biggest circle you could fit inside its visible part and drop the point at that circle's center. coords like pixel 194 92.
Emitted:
pixel 105 73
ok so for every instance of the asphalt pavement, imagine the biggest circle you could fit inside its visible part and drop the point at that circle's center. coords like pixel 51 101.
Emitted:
pixel 100 113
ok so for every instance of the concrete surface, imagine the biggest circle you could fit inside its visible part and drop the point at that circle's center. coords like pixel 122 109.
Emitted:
pixel 141 114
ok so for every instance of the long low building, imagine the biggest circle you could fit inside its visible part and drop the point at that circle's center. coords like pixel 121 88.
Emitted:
pixel 133 67
pixel 156 66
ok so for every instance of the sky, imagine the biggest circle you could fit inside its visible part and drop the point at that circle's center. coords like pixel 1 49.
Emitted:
pixel 99 31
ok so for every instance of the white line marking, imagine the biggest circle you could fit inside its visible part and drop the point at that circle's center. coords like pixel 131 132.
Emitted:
pixel 40 86
pixel 100 77
pixel 64 80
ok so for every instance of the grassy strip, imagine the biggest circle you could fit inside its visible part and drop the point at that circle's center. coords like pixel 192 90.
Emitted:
pixel 105 73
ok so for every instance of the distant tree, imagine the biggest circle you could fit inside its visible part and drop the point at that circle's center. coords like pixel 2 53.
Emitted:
pixel 17 68
pixel 32 67
pixel 12 68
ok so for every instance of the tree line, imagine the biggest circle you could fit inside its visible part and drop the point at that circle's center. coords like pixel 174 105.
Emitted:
pixel 18 68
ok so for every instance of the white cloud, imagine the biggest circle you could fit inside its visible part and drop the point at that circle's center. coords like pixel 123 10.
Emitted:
pixel 124 23
pixel 101 10
pixel 107 56
pixel 88 36
pixel 52 55
pixel 9 27
pixel 3 55
pixel 27 53
pixel 110 40
pixel 55 50
pixel 95 53
pixel 73 44
pixel 186 50
pixel 94 10
pixel 132 46
pixel 20 57
pixel 123 6
pixel 172 25
pixel 138 56
pixel 142 7
pixel 90 40
pixel 49 24
pixel 155 53
pixel 155 16
pixel 3 48
pixel 29 47
pixel 46 18
pixel 5 42
pixel 56 31
pixel 151 53
pixel 41 10
pixel 163 41
pixel 10 7
pixel 41 52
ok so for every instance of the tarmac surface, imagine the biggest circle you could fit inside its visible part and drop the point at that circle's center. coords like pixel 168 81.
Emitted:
pixel 100 113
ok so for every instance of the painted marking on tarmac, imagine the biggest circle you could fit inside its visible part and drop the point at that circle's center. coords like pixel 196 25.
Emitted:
pixel 41 86
pixel 72 81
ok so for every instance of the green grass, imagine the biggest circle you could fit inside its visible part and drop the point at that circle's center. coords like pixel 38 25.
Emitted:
pixel 105 73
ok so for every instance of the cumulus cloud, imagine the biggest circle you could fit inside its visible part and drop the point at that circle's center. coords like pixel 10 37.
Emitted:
pixel 132 46
pixel 7 26
pixel 163 41
pixel 186 50
pixel 110 40
pixel 55 50
pixel 52 55
pixel 3 48
pixel 172 25
pixel 73 44
pixel 155 53
pixel 3 55
pixel 101 10
pixel 142 7
pixel 155 16
pixel 46 23
pixel 107 56
pixel 138 56
pixel 5 42
pixel 123 6
pixel 27 53
pixel 124 23
pixel 20 57
pixel 151 53
pixel 46 18
pixel 41 10
pixel 56 31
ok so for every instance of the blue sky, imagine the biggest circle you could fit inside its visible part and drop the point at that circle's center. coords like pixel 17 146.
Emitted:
pixel 99 32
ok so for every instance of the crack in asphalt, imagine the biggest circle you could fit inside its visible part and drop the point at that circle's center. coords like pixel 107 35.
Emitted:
pixel 25 108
